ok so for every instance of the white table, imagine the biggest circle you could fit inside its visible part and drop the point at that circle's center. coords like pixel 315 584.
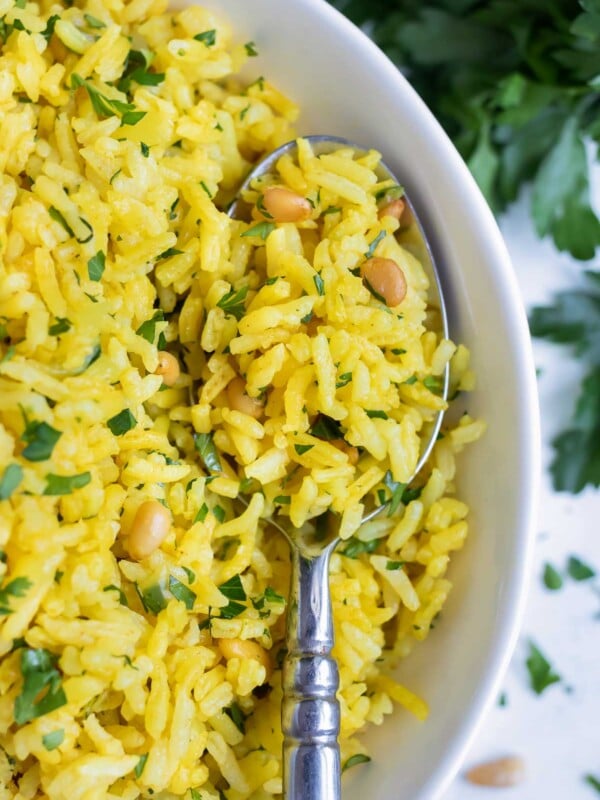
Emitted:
pixel 558 732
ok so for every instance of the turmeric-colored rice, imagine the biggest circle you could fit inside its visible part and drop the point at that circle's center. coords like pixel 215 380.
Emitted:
pixel 124 134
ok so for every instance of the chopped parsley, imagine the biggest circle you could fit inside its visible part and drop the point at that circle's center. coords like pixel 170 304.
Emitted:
pixel 578 570
pixel 94 22
pixel 145 149
pixel 106 107
pixel 42 690
pixel 282 499
pixel 343 380
pixel 10 480
pixel 326 428
pixel 139 767
pixel 552 578
pixel 137 70
pixel 373 245
pixel 250 48
pixel 57 485
pixel 40 438
pixel 202 513
pixel 592 781
pixel 122 422
pixel 541 675
pixel 394 565
pixel 219 513
pixel 96 266
pixel 235 593
pixel 62 325
pixel 207 37
pixel 237 716
pixel 375 413
pixel 206 189
pixel 232 302
pixel 54 739
pixel 120 592
pixel 262 230
pixel 148 330
pixel 358 758
pixel 17 587
pixel 354 547
pixel 303 448
pixel 152 598
pixel 319 283
pixel 207 451
pixel 375 293
pixel 182 593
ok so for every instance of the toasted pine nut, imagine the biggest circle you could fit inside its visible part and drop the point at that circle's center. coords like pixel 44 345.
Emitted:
pixel 393 209
pixel 168 367
pixel 244 648
pixel 386 278
pixel 503 772
pixel 150 527
pixel 283 205
pixel 240 401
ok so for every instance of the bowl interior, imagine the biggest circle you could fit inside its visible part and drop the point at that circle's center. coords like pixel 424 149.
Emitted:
pixel 346 87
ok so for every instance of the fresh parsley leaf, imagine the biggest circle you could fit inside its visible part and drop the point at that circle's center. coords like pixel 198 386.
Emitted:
pixel 54 739
pixel 10 480
pixel 376 413
pixel 541 675
pixel 208 452
pixel 152 598
pixel 250 48
pixel 105 106
pixel 40 438
pixel 62 325
pixel 137 70
pixel 331 210
pixel 319 283
pixel 96 266
pixel 182 593
pixel 120 592
pixel 282 499
pixel 207 37
pixel 354 547
pixel 515 112
pixel 434 383
pixel 358 758
pixel 191 575
pixel 139 767
pixel 574 319
pixel 262 230
pixel 578 570
pixel 303 448
pixel 219 513
pixel 326 428
pixel 237 716
pixel 94 22
pixel 202 513
pixel 232 303
pixel 145 149
pixel 57 485
pixel 552 578
pixel 234 592
pixel 42 690
pixel 55 214
pixel 373 245
pixel 592 781
pixel 122 422
pixel 17 587
pixel 148 330
pixel 271 596
pixel 343 380
pixel 394 565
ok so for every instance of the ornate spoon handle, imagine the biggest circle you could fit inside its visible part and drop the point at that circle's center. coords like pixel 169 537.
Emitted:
pixel 310 713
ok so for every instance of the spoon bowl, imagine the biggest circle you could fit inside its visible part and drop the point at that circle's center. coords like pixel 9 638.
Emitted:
pixel 310 711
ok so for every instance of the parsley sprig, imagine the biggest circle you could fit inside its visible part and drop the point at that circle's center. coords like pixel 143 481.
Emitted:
pixel 515 86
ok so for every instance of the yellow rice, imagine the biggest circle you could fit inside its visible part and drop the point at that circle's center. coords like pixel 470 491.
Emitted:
pixel 150 704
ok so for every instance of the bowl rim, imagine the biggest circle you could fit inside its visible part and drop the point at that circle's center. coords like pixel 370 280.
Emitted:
pixel 479 212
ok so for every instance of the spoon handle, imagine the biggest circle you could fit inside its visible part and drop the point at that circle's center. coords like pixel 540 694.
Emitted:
pixel 310 711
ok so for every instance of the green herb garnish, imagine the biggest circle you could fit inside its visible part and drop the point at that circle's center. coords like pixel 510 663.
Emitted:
pixel 40 438
pixel 262 230
pixel 207 37
pixel 139 767
pixel 541 675
pixel 373 246
pixel 42 690
pixel 208 452
pixel 182 593
pixel 122 422
pixel 578 570
pixel 250 48
pixel 237 716
pixel 234 592
pixel 359 758
pixel 17 587
pixel 57 485
pixel 10 480
pixel 303 448
pixel 232 303
pixel 53 740
pixel 552 578
pixel 62 325
pixel 96 266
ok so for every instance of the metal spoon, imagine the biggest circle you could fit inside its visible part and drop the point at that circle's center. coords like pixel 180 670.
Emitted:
pixel 310 712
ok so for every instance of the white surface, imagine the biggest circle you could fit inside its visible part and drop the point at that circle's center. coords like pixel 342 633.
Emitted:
pixel 556 733
pixel 347 87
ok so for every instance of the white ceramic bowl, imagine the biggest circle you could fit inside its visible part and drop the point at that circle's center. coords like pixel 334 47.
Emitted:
pixel 346 86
